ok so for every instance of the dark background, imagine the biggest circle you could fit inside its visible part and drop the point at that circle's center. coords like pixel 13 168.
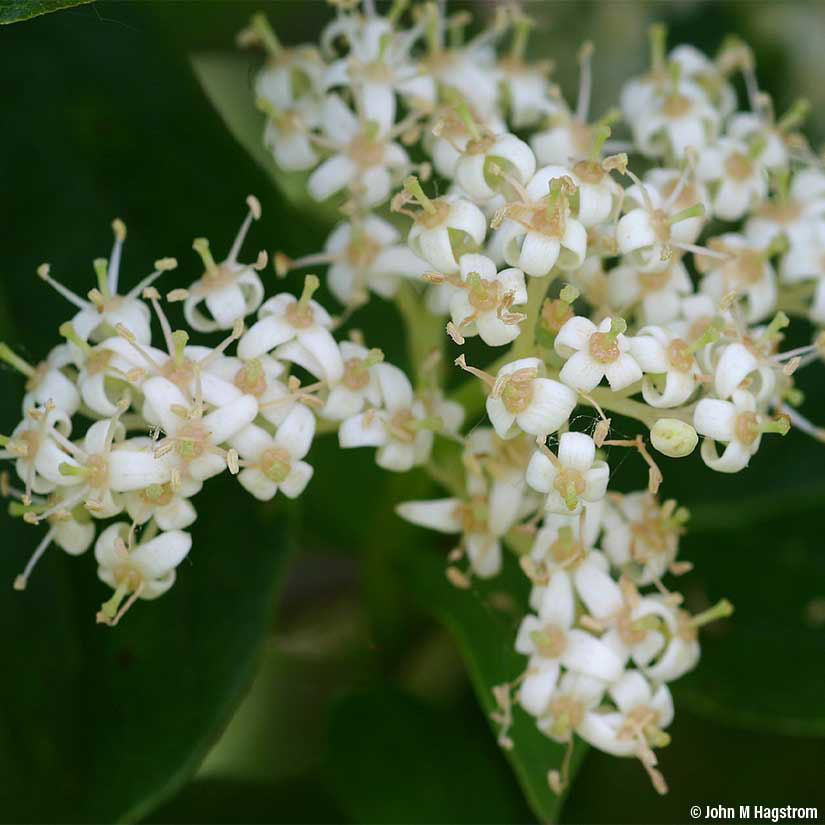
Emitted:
pixel 361 710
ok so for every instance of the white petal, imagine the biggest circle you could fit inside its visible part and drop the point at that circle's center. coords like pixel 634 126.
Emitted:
pixel 438 514
pixel 577 451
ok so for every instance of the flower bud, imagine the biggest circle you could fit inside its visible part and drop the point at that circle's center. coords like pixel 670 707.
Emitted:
pixel 673 438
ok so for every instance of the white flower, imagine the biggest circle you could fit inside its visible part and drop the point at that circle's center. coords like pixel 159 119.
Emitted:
pixel 638 722
pixel 46 383
pixel 572 476
pixel 445 229
pixel 482 306
pixel 769 142
pixel 666 358
pixel 748 271
pixel 523 400
pixel 674 120
pixel 368 256
pixel 734 423
pixel 526 89
pixel 229 290
pixel 551 641
pixel 168 504
pixel 145 572
pixel 805 257
pixel 273 463
pixel 542 233
pixel 105 309
pixel 736 179
pixel 641 537
pixel 192 439
pixel 574 696
pixel 659 638
pixel 658 293
pixel 593 353
pixel 488 162
pixel 364 161
pixel 481 528
pixel 72 532
pixel 283 318
pixel 666 211
pixel 402 429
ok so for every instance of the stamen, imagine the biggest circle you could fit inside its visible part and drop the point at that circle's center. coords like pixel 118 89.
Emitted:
pixel 488 379
pixel 254 214
pixel 161 265
pixel 119 230
pixel 71 297
pixel 153 296
pixel 125 333
pixel 22 580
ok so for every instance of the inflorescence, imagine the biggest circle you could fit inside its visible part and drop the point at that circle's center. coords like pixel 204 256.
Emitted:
pixel 600 287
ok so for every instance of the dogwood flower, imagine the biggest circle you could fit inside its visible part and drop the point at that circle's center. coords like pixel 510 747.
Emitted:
pixel 641 536
pixel 635 726
pixel 402 428
pixel 737 425
pixel 482 305
pixel 735 176
pixel 364 160
pixel 593 353
pixel 668 362
pixel 445 229
pixel 47 382
pixel 145 572
pixel 283 318
pixel 746 271
pixel 273 463
pixel 571 476
pixel 230 290
pixel 542 232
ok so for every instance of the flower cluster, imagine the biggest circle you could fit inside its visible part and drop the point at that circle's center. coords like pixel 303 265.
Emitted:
pixel 661 296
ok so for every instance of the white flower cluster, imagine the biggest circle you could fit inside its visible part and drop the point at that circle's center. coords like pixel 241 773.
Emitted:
pixel 606 295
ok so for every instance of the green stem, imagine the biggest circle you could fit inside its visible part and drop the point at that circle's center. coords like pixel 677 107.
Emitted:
pixel 525 344
pixel 425 333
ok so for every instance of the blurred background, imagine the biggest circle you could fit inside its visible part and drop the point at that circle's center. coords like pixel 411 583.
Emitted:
pixel 360 707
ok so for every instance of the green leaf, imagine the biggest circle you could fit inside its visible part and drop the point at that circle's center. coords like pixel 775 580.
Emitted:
pixel 484 621
pixel 226 79
pixel 231 801
pixel 102 724
pixel 394 758
pixel 13 11
pixel 764 667
pixel 705 764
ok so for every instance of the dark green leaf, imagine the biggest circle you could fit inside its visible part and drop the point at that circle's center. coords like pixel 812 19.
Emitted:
pixel 484 621
pixel 102 724
pixel 226 80
pixel 13 11
pixel 394 758
pixel 706 764
pixel 230 801
pixel 765 667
